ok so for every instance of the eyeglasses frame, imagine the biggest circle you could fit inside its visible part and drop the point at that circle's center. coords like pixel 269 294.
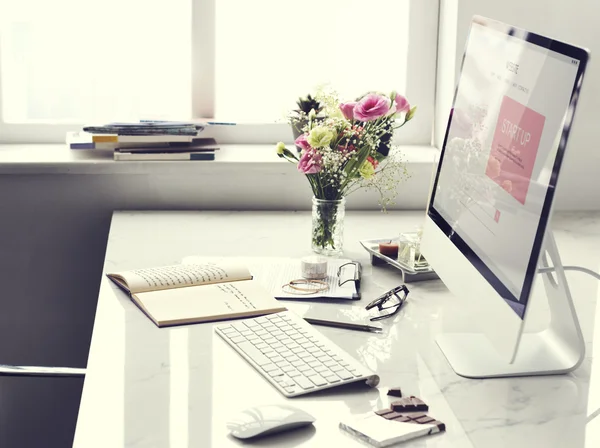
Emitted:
pixel 379 301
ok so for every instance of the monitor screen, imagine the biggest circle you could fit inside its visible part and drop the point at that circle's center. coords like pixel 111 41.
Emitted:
pixel 502 152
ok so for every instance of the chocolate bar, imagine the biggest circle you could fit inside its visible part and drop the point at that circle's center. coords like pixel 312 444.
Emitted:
pixel 395 392
pixel 410 404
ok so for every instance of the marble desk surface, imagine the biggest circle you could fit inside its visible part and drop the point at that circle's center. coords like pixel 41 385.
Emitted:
pixel 177 387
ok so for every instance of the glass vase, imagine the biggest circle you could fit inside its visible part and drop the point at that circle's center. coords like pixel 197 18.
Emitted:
pixel 328 226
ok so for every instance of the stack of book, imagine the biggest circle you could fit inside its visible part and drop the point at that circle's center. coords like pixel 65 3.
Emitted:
pixel 146 140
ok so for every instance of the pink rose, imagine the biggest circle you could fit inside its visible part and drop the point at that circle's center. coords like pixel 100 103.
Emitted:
pixel 301 142
pixel 310 162
pixel 401 104
pixel 348 109
pixel 371 107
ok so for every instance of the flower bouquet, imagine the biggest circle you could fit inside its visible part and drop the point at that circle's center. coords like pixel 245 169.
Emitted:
pixel 348 147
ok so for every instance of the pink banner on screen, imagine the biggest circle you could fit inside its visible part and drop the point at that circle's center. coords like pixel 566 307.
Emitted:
pixel 514 147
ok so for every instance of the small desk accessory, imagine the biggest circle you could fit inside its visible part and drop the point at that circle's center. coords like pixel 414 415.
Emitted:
pixel 402 253
pixel 284 278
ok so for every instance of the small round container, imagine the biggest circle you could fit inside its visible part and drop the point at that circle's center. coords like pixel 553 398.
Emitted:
pixel 314 267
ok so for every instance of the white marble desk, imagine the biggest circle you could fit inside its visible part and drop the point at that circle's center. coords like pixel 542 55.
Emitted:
pixel 176 387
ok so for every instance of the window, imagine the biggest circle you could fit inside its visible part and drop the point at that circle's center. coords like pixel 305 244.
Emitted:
pixel 70 62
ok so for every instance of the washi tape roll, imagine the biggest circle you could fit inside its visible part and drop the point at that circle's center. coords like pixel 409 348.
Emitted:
pixel 314 267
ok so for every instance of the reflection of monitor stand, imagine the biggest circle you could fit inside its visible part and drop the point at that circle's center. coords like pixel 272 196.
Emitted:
pixel 560 348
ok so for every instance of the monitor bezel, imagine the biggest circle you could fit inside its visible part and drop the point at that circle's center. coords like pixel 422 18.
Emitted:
pixel 565 49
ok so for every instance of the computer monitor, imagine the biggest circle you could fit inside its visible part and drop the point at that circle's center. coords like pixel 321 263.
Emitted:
pixel 486 231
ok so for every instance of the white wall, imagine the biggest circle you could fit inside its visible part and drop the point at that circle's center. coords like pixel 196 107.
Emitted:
pixel 576 22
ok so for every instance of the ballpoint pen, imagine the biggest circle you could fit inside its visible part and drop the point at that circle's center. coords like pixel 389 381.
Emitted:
pixel 346 325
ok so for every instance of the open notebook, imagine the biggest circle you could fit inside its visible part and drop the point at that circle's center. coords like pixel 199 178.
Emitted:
pixel 198 292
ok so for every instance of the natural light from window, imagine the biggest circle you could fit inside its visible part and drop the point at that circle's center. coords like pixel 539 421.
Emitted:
pixel 82 60
pixel 270 52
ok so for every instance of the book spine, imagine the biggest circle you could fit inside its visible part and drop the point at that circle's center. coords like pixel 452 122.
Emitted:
pixel 128 156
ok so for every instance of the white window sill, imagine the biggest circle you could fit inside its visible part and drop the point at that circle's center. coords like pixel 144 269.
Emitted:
pixel 59 159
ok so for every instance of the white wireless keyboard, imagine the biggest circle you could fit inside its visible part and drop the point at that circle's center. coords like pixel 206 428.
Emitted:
pixel 292 355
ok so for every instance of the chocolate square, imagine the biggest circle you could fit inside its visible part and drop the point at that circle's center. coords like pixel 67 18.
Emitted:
pixel 402 418
pixel 383 412
pixel 409 404
pixel 392 415
pixel 395 392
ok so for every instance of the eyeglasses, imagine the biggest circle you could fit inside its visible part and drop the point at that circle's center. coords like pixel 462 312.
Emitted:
pixel 355 278
pixel 394 298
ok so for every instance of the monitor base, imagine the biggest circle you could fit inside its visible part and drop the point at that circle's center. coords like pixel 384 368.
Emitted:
pixel 472 355
pixel 559 349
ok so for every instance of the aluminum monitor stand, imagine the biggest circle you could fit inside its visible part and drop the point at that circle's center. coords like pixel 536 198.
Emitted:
pixel 558 349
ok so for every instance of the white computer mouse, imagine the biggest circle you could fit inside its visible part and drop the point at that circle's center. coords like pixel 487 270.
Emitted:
pixel 268 419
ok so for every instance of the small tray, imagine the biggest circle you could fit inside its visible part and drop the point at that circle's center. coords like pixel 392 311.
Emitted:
pixel 408 275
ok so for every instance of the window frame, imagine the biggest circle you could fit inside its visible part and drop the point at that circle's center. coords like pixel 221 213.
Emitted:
pixel 420 89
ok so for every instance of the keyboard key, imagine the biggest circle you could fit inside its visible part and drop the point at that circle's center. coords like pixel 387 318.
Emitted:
pixel 344 374
pixel 321 356
pixel 272 354
pixel 239 326
pixel 261 333
pixel 330 363
pixel 278 345
pixel 298 363
pixel 276 372
pixel 295 373
pixel 273 317
pixel 315 363
pixel 270 340
pixel 304 383
pixel 269 327
pixel 252 324
pixel 261 345
pixel 237 339
pixel 321 369
pixel 253 353
pixel 285 354
pixel 286 341
pixel 318 380
pixel 331 378
pixel 269 367
pixel 304 368
pixel 262 320
pixel 304 355
pixel 278 334
pixel 288 368
pixel 292 358
pixel 336 368
pixel 277 358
